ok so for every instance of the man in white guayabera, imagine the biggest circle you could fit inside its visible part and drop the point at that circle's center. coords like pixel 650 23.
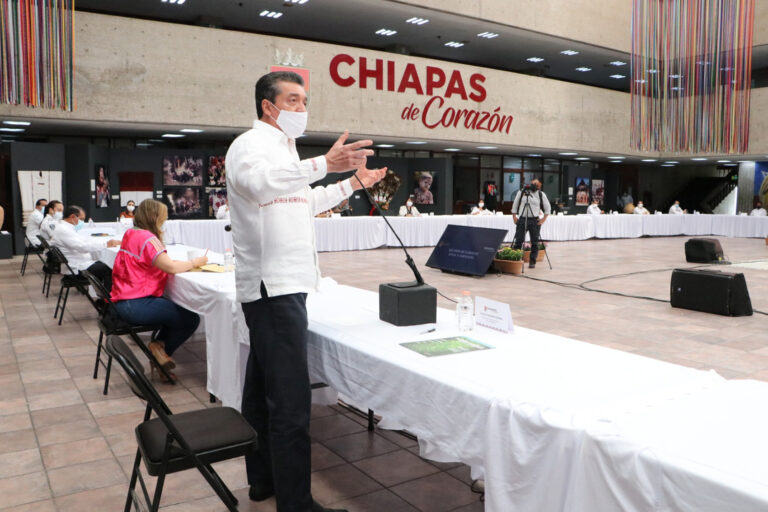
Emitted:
pixel 272 208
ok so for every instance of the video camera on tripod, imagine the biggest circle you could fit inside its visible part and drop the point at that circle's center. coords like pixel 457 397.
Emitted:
pixel 528 188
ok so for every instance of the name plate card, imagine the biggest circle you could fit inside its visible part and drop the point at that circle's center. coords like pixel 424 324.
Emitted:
pixel 493 314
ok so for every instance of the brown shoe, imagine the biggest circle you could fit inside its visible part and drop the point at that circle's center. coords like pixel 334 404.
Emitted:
pixel 158 350
pixel 170 379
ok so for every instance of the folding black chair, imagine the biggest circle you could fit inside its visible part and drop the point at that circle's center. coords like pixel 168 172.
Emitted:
pixel 30 248
pixel 71 280
pixel 50 267
pixel 171 442
pixel 110 324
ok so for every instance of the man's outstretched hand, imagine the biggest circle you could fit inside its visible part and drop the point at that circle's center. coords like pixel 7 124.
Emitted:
pixel 345 157
pixel 369 177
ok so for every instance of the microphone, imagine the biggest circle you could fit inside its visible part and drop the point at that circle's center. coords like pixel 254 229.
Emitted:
pixel 228 227
pixel 409 303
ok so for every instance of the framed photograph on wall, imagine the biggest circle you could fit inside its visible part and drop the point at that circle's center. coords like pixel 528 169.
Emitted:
pixel 598 191
pixel 425 189
pixel 103 195
pixel 582 191
pixel 217 197
pixel 183 202
pixel 217 173
pixel 184 171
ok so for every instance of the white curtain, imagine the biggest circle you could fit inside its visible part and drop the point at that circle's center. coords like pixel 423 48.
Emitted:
pixel 35 185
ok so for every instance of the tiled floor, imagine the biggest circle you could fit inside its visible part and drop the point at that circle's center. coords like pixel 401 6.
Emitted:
pixel 64 446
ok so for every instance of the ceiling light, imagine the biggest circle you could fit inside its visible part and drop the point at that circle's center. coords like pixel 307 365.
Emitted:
pixel 143 144
pixel 385 145
pixel 569 52
pixel 648 160
pixel 723 161
pixel 534 59
pixel 667 165
pixel 672 162
pixel 617 157
pixel 534 154
pixel 270 14
pixel 617 63
pixel 17 123
pixel 415 142
pixel 745 161
pixel 454 44
pixel 618 76
pixel 296 2
pixel 488 35
pixel 486 147
pixel 583 69
pixel 173 135
pixel 417 21
pixel 191 130
pixel 568 154
pixel 156 140
pixel 581 158
pixel 11 130
pixel 699 159
pixel 451 149
pixel 386 32
pixel 729 165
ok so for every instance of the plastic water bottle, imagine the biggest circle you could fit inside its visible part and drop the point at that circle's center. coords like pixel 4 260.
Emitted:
pixel 229 261
pixel 465 311
pixel 90 223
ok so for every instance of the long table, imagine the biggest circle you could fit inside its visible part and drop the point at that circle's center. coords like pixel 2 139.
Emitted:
pixel 362 233
pixel 552 424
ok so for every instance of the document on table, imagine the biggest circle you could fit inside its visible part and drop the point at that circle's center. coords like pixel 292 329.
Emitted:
pixel 445 346
pixel 493 314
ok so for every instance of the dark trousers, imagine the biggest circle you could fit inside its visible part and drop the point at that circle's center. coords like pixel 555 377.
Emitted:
pixel 277 398
pixel 532 226
pixel 178 323
pixel 103 273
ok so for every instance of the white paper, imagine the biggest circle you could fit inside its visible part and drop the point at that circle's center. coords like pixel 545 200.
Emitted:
pixel 493 314
pixel 93 185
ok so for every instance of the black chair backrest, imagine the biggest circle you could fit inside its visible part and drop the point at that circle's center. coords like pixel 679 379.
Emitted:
pixel 98 286
pixel 43 242
pixel 140 384
pixel 59 258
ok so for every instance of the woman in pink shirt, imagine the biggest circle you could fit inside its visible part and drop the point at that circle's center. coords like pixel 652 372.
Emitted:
pixel 138 281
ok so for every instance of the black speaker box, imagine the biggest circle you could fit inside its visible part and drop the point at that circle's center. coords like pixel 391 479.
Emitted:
pixel 703 250
pixel 710 291
pixel 407 303
pixel 6 246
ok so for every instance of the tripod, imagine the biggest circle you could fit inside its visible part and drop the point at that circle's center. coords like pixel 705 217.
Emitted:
pixel 528 214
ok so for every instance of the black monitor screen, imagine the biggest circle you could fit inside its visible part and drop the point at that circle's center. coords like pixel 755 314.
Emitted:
pixel 466 249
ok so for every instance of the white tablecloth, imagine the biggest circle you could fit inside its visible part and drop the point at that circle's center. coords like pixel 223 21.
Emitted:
pixel 740 226
pixel 618 226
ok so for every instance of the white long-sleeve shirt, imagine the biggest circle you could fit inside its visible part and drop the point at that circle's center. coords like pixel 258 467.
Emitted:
pixel 593 209
pixel 273 210
pixel 404 211
pixel 48 227
pixel 76 248
pixel 758 212
pixel 641 210
pixel 223 212
pixel 676 210
pixel 33 226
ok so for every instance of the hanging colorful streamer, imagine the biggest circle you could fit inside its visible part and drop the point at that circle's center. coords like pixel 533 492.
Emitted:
pixel 691 75
pixel 37 53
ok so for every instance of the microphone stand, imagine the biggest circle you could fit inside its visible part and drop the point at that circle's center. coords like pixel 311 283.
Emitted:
pixel 408 260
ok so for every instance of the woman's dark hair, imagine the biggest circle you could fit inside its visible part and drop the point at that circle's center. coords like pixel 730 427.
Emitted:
pixel 267 87
pixel 72 210
pixel 50 206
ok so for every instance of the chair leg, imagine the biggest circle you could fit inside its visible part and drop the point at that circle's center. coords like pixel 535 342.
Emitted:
pixel 136 339
pixel 64 305
pixel 48 289
pixel 58 302
pixel 24 262
pixel 225 495
pixel 98 356
pixel 106 378
pixel 221 482
pixel 132 485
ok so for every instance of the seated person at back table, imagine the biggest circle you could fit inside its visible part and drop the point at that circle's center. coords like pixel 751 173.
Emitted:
pixel 480 209
pixel 130 207
pixel 594 208
pixel 54 212
pixel 640 209
pixel 77 249
pixel 758 210
pixel 34 220
pixel 408 209
pixel 139 276
pixel 676 210
pixel 223 212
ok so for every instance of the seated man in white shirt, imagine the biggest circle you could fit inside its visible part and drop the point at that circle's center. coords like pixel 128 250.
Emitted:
pixel 594 208
pixel 640 209
pixel 758 210
pixel 480 209
pixel 676 210
pixel 408 210
pixel 53 214
pixel 34 221
pixel 223 212
pixel 77 249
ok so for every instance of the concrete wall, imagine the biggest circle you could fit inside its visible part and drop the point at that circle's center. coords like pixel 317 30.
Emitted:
pixel 151 72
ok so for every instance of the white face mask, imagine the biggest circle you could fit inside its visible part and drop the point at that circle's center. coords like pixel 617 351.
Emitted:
pixel 58 215
pixel 409 204
pixel 481 205
pixel 130 207
pixel 640 205
pixel 293 124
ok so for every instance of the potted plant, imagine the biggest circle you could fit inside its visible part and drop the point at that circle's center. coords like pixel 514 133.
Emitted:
pixel 527 251
pixel 508 260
